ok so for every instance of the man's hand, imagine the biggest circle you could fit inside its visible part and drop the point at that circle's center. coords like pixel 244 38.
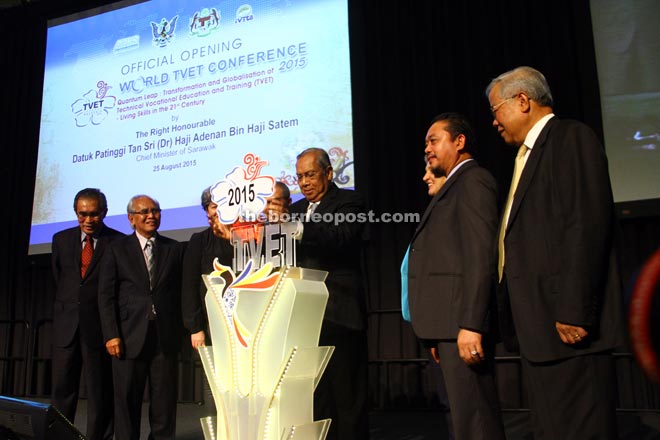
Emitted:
pixel 197 339
pixel 115 347
pixel 435 355
pixel 571 334
pixel 275 207
pixel 469 347
pixel 219 230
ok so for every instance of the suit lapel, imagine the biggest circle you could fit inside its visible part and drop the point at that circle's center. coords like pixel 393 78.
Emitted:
pixel 436 198
pixel 76 247
pixel 304 206
pixel 429 208
pixel 162 251
pixel 136 254
pixel 98 252
pixel 529 170
pixel 327 199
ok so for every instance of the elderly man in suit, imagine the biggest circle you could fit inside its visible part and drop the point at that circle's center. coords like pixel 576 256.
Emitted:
pixel 77 337
pixel 450 278
pixel 559 287
pixel 140 305
pixel 336 247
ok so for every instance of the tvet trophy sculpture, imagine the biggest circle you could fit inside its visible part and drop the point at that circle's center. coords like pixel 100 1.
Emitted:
pixel 265 361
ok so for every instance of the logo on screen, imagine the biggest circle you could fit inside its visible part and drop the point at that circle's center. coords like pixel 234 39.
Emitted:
pixel 163 32
pixel 93 106
pixel 204 22
pixel 243 14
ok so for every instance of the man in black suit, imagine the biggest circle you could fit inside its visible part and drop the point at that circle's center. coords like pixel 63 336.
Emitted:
pixel 559 289
pixel 140 305
pixel 450 278
pixel 77 337
pixel 336 247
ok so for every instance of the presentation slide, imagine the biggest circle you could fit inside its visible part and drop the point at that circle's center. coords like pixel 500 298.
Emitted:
pixel 167 97
pixel 627 40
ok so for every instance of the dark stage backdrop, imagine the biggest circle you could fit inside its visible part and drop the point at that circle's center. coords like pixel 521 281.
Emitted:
pixel 410 61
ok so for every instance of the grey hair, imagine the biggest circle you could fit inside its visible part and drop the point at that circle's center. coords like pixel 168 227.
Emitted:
pixel 526 80
pixel 206 198
pixel 131 203
pixel 322 158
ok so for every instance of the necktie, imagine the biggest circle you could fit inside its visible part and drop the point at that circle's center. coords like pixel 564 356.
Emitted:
pixel 517 171
pixel 86 255
pixel 310 209
pixel 149 255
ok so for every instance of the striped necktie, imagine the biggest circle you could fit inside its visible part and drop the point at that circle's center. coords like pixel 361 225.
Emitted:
pixel 149 254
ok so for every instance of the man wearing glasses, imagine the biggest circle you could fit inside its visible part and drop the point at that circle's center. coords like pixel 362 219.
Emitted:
pixel 77 337
pixel 336 247
pixel 559 288
pixel 140 305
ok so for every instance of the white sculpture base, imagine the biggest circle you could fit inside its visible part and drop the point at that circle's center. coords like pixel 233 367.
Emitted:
pixel 265 361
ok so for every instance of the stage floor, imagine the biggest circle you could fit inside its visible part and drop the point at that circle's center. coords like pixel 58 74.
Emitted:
pixel 399 424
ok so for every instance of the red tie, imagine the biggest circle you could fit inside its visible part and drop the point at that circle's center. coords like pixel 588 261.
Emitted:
pixel 86 255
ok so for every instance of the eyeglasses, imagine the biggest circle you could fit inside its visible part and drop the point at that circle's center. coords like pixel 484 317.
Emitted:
pixel 83 215
pixel 146 211
pixel 495 108
pixel 311 175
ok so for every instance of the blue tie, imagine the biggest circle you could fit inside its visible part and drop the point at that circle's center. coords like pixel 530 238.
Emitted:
pixel 405 309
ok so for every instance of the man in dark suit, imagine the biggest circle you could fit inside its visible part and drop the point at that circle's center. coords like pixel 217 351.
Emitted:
pixel 559 289
pixel 77 337
pixel 140 305
pixel 450 278
pixel 336 247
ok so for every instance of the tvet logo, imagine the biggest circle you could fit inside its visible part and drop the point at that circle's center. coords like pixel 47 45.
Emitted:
pixel 244 13
pixel 93 106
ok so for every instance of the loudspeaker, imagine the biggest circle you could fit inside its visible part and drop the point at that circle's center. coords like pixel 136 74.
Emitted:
pixel 23 419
